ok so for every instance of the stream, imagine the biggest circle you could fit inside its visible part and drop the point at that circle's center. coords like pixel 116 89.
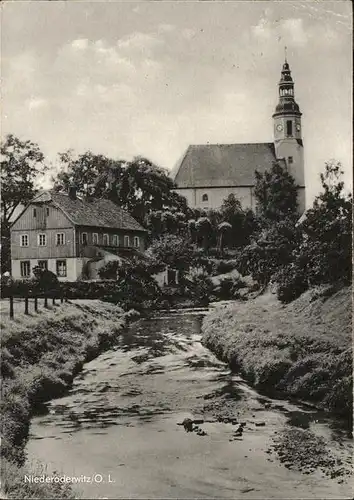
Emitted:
pixel 117 433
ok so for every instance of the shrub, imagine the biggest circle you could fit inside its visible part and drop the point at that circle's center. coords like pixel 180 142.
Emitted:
pixel 224 266
pixel 198 286
pixel 228 288
pixel 291 283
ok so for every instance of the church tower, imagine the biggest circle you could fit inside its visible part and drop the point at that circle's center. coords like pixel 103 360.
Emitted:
pixel 288 133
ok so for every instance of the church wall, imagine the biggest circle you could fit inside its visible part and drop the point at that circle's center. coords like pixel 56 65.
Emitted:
pixel 301 200
pixel 216 196
pixel 290 147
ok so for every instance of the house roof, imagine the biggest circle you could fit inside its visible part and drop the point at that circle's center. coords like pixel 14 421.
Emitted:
pixel 97 212
pixel 218 165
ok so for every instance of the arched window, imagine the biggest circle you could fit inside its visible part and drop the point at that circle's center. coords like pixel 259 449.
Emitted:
pixel 205 197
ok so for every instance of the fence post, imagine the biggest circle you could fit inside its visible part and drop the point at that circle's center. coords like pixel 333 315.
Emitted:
pixel 11 307
pixel 36 304
pixel 53 301
pixel 46 302
pixel 61 299
pixel 26 305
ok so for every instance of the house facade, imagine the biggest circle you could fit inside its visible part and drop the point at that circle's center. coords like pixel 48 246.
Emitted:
pixel 208 173
pixel 72 237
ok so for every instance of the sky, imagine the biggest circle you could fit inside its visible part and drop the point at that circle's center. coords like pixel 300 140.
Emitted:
pixel 149 78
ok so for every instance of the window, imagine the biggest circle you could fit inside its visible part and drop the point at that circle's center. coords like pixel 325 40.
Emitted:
pixel 24 240
pixel 47 211
pixel 136 241
pixel 60 239
pixel 42 240
pixel 84 238
pixel 25 268
pixel 61 268
pixel 43 264
pixel 95 238
pixel 115 240
pixel 205 197
pixel 126 241
pixel 290 160
pixel 34 212
pixel 289 127
pixel 105 239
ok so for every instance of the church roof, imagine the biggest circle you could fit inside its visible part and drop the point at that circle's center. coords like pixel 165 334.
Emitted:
pixel 221 165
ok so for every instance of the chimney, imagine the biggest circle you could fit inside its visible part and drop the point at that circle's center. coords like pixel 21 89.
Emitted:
pixel 72 192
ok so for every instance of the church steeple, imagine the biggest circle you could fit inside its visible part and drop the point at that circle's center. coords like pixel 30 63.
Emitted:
pixel 288 132
pixel 287 103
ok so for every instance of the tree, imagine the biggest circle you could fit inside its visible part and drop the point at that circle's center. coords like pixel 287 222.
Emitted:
pixel 326 248
pixel 224 229
pixel 204 231
pixel 173 251
pixel 276 193
pixel 270 250
pixel 242 222
pixel 138 186
pixel 192 230
pixel 86 171
pixel 22 164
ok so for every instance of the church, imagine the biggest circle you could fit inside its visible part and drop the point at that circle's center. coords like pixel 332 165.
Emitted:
pixel 209 173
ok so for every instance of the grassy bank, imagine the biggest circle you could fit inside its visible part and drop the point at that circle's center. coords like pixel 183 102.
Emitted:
pixel 41 354
pixel 301 350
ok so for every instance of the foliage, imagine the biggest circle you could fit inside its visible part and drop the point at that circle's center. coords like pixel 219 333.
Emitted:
pixel 204 231
pixel 173 251
pixel 229 287
pixel 243 222
pixel 22 164
pixel 44 353
pixel 270 250
pixel 169 221
pixel 45 279
pixel 301 350
pixel 134 284
pixel 198 286
pixel 138 186
pixel 83 171
pixel 323 255
pixel 326 248
pixel 224 266
pixel 276 193
pixel 291 282
pixel 224 229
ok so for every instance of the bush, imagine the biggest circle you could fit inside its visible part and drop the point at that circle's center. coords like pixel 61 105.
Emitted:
pixel 224 266
pixel 291 283
pixel 198 286
pixel 228 288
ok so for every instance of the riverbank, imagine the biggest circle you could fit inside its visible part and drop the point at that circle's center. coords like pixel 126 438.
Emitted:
pixel 301 350
pixel 41 354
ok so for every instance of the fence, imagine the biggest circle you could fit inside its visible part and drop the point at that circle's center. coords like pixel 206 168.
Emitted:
pixel 35 301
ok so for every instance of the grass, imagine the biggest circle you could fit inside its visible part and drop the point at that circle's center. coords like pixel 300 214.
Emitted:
pixel 41 354
pixel 301 350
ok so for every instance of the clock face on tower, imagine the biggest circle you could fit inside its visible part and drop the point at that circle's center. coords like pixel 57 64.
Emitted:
pixel 279 127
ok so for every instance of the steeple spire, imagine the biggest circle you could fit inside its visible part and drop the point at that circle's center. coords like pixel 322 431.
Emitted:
pixel 287 103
